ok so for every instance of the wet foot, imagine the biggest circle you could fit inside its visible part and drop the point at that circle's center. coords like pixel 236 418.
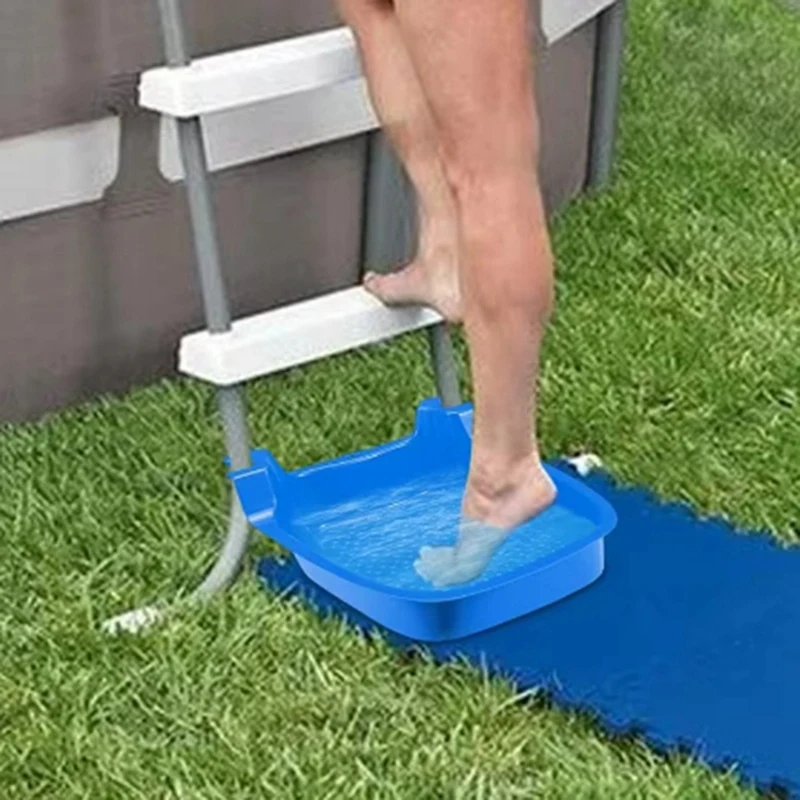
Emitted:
pixel 492 511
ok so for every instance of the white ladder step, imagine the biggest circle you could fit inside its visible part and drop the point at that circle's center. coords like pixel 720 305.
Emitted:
pixel 296 334
pixel 252 74
pixel 291 66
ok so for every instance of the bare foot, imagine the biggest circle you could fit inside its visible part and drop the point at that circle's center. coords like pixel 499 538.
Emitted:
pixel 493 508
pixel 430 280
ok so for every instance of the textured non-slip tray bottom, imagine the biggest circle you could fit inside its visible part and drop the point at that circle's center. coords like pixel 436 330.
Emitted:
pixel 378 535
pixel 692 637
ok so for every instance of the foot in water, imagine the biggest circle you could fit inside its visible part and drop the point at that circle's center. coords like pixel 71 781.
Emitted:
pixel 490 516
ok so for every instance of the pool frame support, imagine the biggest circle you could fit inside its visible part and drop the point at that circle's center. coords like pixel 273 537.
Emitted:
pixel 606 87
pixel 389 238
pixel 218 320
pixel 215 300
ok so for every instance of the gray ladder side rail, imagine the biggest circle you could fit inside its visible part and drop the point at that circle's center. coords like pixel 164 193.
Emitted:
pixel 606 87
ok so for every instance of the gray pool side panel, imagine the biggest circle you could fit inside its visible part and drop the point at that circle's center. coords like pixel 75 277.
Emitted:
pixel 94 298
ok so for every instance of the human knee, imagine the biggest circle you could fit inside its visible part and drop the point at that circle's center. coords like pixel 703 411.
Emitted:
pixel 489 136
pixel 481 163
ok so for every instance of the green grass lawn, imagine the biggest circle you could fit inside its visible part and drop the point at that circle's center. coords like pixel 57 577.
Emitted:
pixel 675 356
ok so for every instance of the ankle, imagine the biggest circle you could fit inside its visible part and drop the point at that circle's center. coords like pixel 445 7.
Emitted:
pixel 491 479
pixel 440 259
pixel 438 244
pixel 506 495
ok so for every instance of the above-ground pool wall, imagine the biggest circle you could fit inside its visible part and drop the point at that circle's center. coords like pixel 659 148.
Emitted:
pixel 94 296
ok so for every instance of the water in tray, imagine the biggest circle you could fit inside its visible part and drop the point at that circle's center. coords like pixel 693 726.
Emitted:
pixel 378 536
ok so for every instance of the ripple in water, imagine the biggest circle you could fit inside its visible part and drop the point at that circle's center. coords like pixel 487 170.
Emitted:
pixel 379 535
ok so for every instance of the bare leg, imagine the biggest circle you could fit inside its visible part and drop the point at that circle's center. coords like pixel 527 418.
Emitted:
pixel 432 278
pixel 473 62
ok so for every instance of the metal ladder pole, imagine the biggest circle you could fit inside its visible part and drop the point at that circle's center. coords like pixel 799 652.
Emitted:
pixel 218 320
pixel 215 298
pixel 389 237
pixel 608 62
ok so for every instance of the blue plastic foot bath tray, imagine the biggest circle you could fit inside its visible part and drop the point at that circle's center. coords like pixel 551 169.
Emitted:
pixel 356 525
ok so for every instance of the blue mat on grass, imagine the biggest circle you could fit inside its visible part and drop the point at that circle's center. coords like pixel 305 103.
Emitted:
pixel 691 639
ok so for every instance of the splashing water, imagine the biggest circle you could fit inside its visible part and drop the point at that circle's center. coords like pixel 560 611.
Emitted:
pixel 378 536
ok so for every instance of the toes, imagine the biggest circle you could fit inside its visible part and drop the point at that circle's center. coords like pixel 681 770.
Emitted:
pixel 422 568
pixel 438 556
pixel 443 567
pixel 378 285
pixel 406 286
pixel 370 280
pixel 434 564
